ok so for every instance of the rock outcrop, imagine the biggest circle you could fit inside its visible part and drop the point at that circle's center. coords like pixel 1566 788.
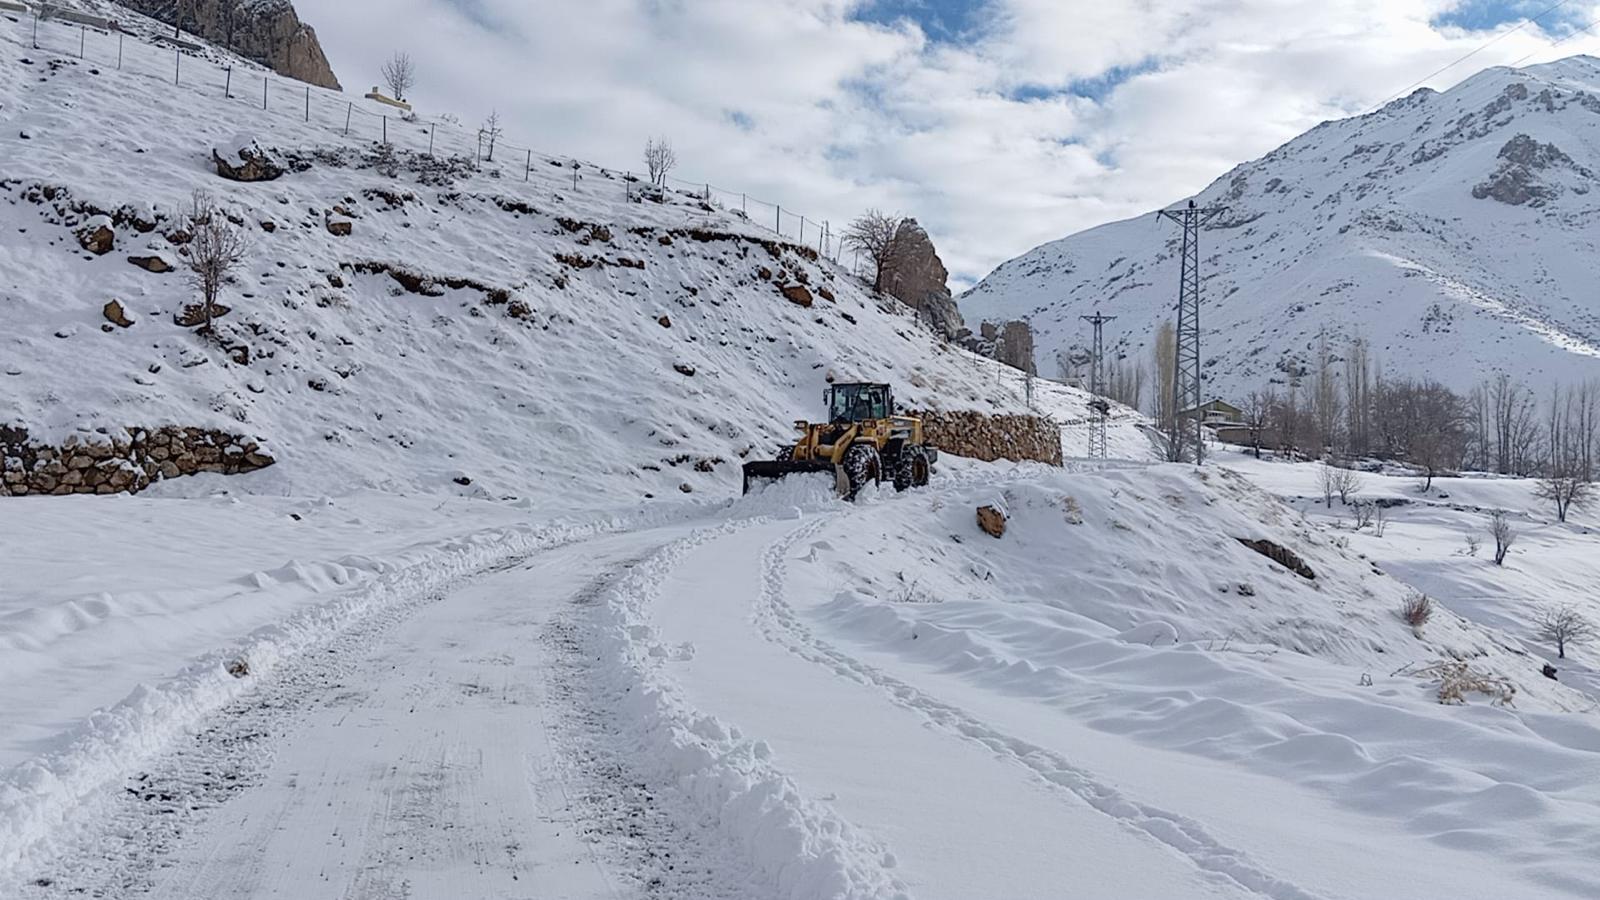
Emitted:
pixel 1517 181
pixel 916 276
pixel 111 464
pixel 267 31
pixel 1008 342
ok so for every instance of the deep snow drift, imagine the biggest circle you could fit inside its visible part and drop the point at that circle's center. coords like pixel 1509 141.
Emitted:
pixel 1442 228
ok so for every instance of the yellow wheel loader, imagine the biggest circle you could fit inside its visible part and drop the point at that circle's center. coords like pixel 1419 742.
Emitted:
pixel 863 442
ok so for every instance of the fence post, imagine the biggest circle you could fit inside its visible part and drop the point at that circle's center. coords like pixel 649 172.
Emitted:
pixel 263 92
pixel 177 64
pixel 822 242
pixel 119 50
pixel 741 203
pixel 83 37
pixel 627 194
pixel 432 127
pixel 802 229
pixel 386 129
pixel 36 13
pixel 527 167
pixel 349 105
pixel 574 174
pixel 708 192
pixel 308 103
pixel 778 221
pixel 227 83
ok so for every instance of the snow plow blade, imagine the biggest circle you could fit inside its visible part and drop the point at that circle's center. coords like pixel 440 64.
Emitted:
pixel 778 469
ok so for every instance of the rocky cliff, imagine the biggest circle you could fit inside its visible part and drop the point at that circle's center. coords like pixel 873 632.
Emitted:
pixel 267 31
pixel 916 276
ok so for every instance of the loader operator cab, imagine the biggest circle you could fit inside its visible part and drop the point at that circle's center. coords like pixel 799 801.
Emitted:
pixel 858 402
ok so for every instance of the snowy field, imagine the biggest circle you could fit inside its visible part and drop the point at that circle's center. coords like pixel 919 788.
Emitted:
pixel 597 672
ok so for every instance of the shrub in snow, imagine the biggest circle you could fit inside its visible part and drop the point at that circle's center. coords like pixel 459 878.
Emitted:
pixel 1458 679
pixel 1416 611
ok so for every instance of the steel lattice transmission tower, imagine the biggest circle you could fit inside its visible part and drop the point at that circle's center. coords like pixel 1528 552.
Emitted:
pixel 1187 395
pixel 1097 387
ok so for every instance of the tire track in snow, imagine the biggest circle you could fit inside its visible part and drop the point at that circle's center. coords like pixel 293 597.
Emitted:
pixel 780 623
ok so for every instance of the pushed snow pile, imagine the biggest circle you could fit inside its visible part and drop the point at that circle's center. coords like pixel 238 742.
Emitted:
pixel 403 320
pixel 714 775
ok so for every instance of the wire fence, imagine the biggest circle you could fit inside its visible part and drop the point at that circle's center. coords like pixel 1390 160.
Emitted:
pixel 181 66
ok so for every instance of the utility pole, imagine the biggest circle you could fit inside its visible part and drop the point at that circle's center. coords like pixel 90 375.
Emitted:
pixel 1097 387
pixel 1187 394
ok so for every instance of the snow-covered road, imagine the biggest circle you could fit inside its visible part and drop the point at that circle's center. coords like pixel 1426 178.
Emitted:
pixel 789 697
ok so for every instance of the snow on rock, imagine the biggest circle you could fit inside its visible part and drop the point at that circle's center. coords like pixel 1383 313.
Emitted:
pixel 1440 228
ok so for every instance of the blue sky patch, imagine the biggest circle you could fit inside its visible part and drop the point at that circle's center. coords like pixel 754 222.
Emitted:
pixel 947 21
pixel 1484 15
pixel 1097 88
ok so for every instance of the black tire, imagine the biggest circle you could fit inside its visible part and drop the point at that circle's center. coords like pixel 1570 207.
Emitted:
pixel 862 466
pixel 912 470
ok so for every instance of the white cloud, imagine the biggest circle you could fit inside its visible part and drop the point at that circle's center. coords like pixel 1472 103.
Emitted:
pixel 798 103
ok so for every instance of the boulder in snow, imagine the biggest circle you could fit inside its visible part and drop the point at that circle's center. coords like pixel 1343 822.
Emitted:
pixel 992 520
pixel 97 236
pixel 116 315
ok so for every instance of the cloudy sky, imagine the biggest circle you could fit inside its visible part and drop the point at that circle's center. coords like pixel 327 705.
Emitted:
pixel 999 124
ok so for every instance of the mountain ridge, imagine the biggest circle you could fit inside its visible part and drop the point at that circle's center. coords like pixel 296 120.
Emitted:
pixel 1442 225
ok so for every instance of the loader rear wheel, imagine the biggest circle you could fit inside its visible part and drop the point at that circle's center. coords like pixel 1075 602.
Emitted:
pixel 862 466
pixel 912 470
pixel 784 454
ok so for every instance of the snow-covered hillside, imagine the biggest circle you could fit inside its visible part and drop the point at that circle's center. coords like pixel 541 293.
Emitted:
pixel 1456 232
pixel 536 334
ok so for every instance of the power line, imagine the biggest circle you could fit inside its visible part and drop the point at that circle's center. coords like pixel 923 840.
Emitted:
pixel 1479 49
pixel 1587 29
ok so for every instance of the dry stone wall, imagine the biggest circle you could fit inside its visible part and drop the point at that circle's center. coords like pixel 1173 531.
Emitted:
pixel 105 464
pixel 981 436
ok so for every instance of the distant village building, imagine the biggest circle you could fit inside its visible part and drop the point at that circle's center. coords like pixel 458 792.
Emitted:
pixel 1215 414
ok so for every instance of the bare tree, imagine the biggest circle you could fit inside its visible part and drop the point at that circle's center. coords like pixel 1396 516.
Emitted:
pixel 1325 402
pixel 659 159
pixel 215 249
pixel 1327 478
pixel 1125 384
pixel 1345 481
pixel 875 235
pixel 399 74
pixel 1504 535
pixel 489 134
pixel 1562 626
pixel 1357 398
pixel 1565 491
pixel 1166 394
pixel 1257 411
pixel 1363 513
pixel 1568 468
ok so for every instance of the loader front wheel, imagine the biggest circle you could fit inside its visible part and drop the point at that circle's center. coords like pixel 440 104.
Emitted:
pixel 912 470
pixel 862 466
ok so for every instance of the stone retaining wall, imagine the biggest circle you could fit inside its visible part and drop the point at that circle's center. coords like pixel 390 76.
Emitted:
pixel 105 464
pixel 980 436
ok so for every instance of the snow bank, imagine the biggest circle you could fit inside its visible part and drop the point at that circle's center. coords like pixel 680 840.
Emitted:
pixel 713 773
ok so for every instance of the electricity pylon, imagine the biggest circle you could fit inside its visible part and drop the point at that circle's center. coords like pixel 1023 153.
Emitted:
pixel 1097 388
pixel 1187 395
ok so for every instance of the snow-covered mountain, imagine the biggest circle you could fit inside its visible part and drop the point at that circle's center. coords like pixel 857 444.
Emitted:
pixel 1456 232
pixel 530 332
